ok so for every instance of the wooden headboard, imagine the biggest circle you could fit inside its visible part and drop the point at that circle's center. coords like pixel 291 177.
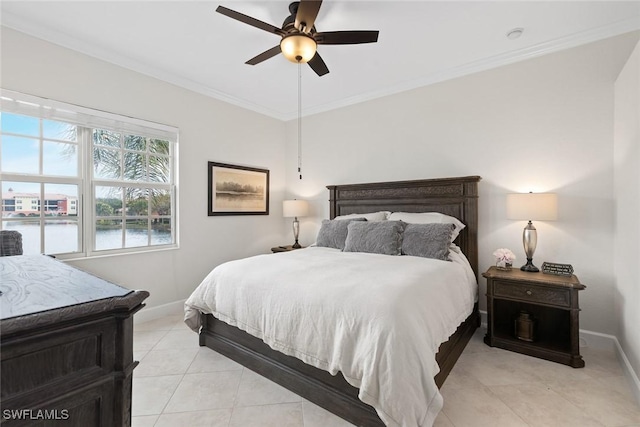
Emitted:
pixel 457 197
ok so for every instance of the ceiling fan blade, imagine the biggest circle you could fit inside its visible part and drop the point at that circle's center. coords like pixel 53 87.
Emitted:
pixel 307 13
pixel 264 55
pixel 317 64
pixel 346 37
pixel 249 20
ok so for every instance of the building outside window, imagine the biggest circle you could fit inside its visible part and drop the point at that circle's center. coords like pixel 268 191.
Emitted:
pixel 79 182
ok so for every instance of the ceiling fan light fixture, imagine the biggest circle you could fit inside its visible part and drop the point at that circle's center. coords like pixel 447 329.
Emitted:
pixel 298 47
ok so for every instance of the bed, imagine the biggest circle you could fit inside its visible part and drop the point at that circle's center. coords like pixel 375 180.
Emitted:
pixel 451 196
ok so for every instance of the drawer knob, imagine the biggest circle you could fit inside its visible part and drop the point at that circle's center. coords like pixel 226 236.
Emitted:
pixel 528 292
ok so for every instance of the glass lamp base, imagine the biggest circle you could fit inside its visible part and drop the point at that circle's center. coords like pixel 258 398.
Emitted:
pixel 529 266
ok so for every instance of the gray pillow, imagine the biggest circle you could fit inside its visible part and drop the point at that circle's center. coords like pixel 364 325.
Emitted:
pixel 427 240
pixel 333 234
pixel 383 237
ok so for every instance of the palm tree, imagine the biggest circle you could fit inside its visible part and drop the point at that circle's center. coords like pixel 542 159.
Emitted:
pixel 132 158
pixel 136 163
pixel 106 155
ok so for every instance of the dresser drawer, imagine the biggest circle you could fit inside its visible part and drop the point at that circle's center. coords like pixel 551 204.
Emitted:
pixel 58 360
pixel 532 293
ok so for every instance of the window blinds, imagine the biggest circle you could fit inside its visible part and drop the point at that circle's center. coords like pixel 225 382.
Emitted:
pixel 29 105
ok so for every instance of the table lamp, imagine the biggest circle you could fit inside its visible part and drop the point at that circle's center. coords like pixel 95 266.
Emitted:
pixel 531 206
pixel 295 208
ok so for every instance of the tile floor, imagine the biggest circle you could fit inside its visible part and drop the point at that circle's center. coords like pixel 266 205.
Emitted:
pixel 179 384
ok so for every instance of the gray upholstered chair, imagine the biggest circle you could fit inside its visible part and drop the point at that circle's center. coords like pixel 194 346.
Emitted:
pixel 10 243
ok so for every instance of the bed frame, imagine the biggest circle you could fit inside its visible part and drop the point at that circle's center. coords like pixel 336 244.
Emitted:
pixel 452 196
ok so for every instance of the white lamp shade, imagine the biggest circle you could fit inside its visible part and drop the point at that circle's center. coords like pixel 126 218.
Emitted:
pixel 532 206
pixel 292 208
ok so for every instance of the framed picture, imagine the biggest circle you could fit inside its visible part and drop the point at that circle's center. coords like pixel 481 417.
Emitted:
pixel 238 190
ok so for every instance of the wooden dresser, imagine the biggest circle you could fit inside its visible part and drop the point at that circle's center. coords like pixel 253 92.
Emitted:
pixel 66 345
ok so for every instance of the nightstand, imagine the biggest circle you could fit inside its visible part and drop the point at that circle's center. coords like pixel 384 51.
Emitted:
pixel 551 301
pixel 286 248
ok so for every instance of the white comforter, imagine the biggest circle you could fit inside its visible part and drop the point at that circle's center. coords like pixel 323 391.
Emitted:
pixel 377 319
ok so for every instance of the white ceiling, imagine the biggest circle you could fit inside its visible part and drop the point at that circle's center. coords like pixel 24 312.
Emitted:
pixel 421 42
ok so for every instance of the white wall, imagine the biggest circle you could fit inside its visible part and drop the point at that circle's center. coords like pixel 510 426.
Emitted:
pixel 627 191
pixel 545 124
pixel 210 130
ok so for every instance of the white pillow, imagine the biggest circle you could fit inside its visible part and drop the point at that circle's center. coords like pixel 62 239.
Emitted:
pixel 372 217
pixel 429 218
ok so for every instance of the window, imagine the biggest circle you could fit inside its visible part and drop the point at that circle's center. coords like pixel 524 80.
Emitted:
pixel 79 182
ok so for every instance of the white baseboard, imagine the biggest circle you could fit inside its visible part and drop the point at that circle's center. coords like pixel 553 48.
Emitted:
pixel 483 319
pixel 597 340
pixel 153 313
pixel 604 342
pixel 631 375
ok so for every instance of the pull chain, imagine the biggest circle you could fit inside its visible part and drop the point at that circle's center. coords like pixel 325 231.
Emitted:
pixel 300 119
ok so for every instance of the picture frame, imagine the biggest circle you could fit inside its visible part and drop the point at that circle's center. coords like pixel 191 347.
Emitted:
pixel 237 190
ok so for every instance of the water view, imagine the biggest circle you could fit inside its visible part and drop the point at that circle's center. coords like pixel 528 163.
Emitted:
pixel 239 201
pixel 62 237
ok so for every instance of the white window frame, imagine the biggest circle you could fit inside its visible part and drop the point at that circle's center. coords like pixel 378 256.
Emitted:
pixel 88 119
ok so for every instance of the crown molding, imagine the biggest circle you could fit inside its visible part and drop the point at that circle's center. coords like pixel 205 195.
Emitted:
pixel 617 28
pixel 556 45
pixel 59 38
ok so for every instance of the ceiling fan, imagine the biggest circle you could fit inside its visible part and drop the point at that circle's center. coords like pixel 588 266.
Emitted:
pixel 299 36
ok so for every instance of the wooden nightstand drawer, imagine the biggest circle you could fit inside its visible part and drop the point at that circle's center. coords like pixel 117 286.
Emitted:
pixel 532 293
